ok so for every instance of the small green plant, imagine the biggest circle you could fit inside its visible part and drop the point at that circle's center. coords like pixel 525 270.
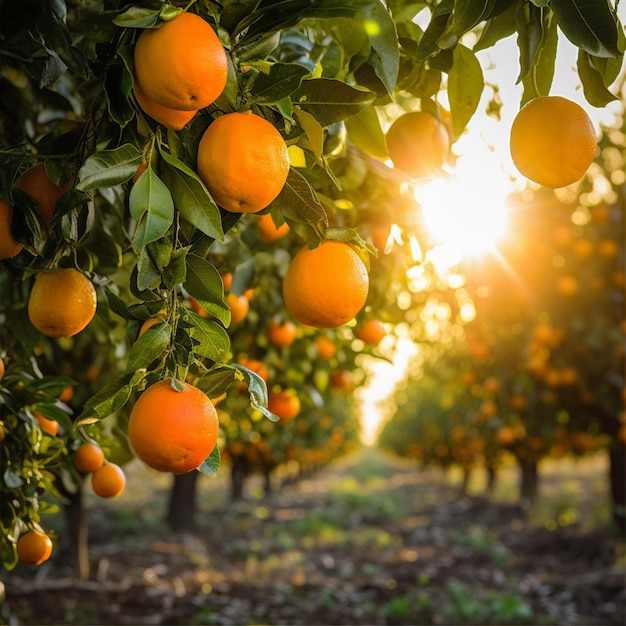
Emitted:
pixel 414 607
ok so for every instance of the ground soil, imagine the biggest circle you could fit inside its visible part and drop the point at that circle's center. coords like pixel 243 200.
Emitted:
pixel 366 540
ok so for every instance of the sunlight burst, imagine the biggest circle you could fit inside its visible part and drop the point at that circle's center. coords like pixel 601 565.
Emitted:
pixel 464 213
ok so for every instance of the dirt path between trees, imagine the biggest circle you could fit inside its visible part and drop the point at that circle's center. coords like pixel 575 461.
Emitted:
pixel 368 540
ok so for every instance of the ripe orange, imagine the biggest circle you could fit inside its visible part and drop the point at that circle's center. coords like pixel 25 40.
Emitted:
pixel 67 394
pixel 326 286
pixel 108 481
pixel 239 307
pixel 243 161
pixel 34 547
pixel 552 141
pixel 173 431
pixel 281 334
pixel 371 331
pixel 62 302
pixel 181 64
pixel 50 426
pixel 170 118
pixel 9 246
pixel 342 379
pixel 268 231
pixel 88 458
pixel 1 369
pixel 418 144
pixel 285 404
pixel 37 185
pixel 325 347
pixel 227 280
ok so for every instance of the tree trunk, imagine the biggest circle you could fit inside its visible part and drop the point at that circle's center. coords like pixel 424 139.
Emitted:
pixel 238 473
pixel 181 511
pixel 529 487
pixel 467 472
pixel 74 543
pixel 491 478
pixel 617 474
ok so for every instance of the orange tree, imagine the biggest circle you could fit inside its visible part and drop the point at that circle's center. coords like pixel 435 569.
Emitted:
pixel 117 110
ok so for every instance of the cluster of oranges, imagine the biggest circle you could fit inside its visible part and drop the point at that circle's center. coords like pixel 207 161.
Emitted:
pixel 107 479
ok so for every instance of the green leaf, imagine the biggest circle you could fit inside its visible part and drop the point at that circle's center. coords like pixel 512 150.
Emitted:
pixel 211 465
pixel 138 17
pixel 465 87
pixel 313 131
pixel 497 28
pixel 212 340
pixel 330 101
pixel 151 205
pixel 257 390
pixel 149 347
pixel 365 132
pixel 216 381
pixel 110 398
pixel 107 168
pixel 385 57
pixel 192 198
pixel 147 272
pixel 467 14
pixel 204 283
pixel 589 25
pixel 429 43
pixel 539 80
pixel 300 206
pixel 592 80
pixel 52 26
pixel 283 79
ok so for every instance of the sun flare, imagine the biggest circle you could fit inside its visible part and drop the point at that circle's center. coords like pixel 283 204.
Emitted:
pixel 465 211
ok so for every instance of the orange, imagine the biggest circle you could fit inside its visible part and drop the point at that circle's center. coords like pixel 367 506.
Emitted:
pixel 552 141
pixel 9 246
pixel 182 64
pixel 239 307
pixel 418 144
pixel 281 334
pixel 170 118
pixel 325 347
pixel 285 404
pixel 67 394
pixel 50 426
pixel 342 379
pixel 34 547
pixel 62 302
pixel 326 286
pixel 1 369
pixel 3 432
pixel 197 308
pixel 371 331
pixel 108 481
pixel 227 280
pixel 268 231
pixel 243 161
pixel 88 458
pixel 173 431
pixel 37 185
